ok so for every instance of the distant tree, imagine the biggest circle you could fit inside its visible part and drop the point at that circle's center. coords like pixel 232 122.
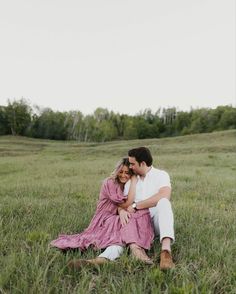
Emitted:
pixel 89 128
pixel 199 120
pixel 105 131
pixel 130 129
pixel 228 118
pixel 169 115
pixel 74 125
pixel 144 129
pixel 18 115
pixel 215 117
pixel 119 123
pixel 148 116
pixel 104 128
pixel 101 114
pixel 4 126
pixel 159 124
pixel 169 118
pixel 18 118
pixel 50 125
pixel 183 123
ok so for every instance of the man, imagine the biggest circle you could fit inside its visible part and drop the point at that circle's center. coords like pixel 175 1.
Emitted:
pixel 153 191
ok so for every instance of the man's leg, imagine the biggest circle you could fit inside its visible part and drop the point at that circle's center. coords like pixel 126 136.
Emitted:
pixel 110 253
pixel 163 221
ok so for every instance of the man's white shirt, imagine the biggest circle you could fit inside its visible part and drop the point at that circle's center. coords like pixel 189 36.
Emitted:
pixel 150 184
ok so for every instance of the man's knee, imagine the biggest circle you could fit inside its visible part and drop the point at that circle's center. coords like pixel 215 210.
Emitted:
pixel 163 203
pixel 163 207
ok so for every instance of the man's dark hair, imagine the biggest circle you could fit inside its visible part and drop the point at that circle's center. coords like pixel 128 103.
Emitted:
pixel 141 154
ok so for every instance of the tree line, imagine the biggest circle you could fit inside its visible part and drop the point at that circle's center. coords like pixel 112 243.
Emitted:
pixel 19 118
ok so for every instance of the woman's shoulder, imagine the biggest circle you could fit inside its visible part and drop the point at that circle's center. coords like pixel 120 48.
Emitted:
pixel 110 182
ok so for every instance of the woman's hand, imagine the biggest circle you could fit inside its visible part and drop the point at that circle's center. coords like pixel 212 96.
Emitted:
pixel 124 217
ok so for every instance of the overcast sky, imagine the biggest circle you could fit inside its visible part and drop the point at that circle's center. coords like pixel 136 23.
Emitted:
pixel 123 55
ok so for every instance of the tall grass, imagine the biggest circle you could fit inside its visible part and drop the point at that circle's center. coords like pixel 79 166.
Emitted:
pixel 47 188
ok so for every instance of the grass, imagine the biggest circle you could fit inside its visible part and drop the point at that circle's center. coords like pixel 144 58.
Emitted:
pixel 49 187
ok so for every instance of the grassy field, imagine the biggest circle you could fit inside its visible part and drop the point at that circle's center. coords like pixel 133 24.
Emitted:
pixel 49 187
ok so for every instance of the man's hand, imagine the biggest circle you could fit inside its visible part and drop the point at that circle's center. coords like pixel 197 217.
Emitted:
pixel 124 217
pixel 131 209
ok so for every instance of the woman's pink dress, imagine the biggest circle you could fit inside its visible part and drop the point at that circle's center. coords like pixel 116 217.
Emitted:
pixel 105 228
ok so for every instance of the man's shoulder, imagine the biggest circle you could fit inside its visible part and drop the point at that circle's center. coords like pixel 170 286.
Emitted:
pixel 159 172
pixel 162 177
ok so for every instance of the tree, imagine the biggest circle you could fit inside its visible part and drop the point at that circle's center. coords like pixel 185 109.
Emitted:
pixel 130 129
pixel 228 118
pixel 50 125
pixel 144 129
pixel 4 128
pixel 74 125
pixel 169 119
pixel 183 122
pixel 18 116
pixel 119 123
pixel 101 114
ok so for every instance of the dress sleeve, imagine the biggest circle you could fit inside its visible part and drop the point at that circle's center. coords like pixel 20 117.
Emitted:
pixel 113 191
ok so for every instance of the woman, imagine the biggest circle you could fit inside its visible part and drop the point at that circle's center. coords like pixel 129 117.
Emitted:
pixel 106 228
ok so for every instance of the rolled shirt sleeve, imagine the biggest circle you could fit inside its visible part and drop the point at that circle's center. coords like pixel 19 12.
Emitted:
pixel 164 179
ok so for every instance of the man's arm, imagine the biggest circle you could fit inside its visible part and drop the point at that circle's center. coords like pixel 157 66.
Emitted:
pixel 164 192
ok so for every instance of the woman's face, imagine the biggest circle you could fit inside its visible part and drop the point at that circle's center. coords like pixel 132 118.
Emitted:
pixel 124 175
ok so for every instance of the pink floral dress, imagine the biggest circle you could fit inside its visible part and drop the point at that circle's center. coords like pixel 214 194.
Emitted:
pixel 105 227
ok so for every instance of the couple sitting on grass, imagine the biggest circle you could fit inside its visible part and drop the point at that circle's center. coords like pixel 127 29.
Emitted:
pixel 134 205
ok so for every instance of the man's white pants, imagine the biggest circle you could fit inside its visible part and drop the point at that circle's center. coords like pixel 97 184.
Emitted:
pixel 163 220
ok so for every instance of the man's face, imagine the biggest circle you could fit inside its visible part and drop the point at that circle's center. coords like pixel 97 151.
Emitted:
pixel 134 165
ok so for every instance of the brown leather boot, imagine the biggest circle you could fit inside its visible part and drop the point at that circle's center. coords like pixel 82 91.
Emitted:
pixel 79 263
pixel 166 261
pixel 140 254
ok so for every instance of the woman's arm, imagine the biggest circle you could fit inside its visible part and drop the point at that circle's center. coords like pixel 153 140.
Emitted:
pixel 131 194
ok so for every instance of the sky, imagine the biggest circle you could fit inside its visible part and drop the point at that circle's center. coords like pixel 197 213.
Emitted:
pixel 123 55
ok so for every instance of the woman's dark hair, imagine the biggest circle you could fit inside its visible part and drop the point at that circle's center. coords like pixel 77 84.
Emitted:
pixel 141 154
